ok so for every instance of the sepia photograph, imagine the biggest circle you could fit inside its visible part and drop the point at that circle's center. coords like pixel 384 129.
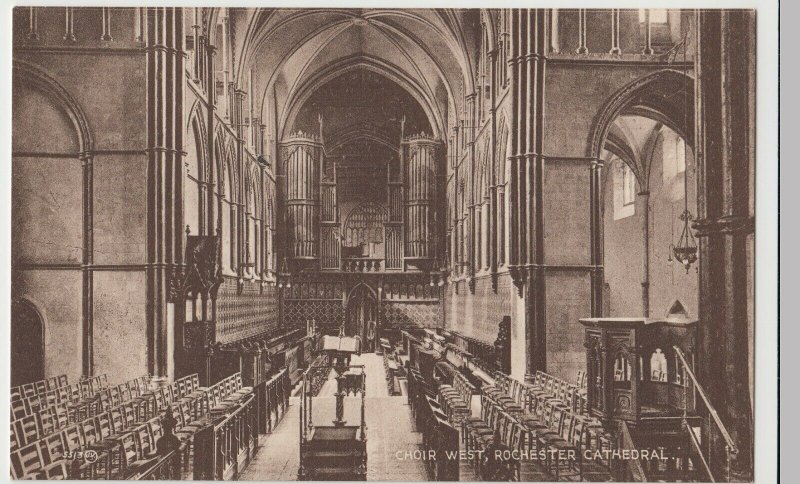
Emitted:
pixel 384 244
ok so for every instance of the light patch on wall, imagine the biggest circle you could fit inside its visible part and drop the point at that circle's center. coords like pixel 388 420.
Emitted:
pixel 673 150
pixel 622 209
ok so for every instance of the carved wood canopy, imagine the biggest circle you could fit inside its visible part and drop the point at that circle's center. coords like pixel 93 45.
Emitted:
pixel 203 269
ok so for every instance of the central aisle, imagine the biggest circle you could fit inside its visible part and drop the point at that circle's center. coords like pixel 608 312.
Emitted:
pixel 389 431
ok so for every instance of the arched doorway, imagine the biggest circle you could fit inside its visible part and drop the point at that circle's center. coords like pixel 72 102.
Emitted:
pixel 27 344
pixel 362 315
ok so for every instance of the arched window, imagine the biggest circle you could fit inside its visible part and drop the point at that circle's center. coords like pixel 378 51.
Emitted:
pixel 229 214
pixel 659 24
pixel 484 224
pixel 658 366
pixel 225 62
pixel 622 367
pixel 193 206
pixel 462 207
pixel 253 240
pixel 271 256
pixel 624 192
pixel 504 46
pixel 364 225
pixel 483 76
pixel 500 170
pixel 657 15
pixel 673 155
pixel 628 185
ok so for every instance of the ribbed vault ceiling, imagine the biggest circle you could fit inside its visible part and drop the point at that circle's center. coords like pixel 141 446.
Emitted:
pixel 292 52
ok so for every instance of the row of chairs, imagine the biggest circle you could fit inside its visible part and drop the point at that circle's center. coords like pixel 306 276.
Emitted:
pixel 77 394
pixel 574 396
pixel 553 434
pixel 456 399
pixel 548 406
pixel 123 438
pixel 54 417
pixel 479 433
pixel 516 396
pixel 225 395
pixel 38 387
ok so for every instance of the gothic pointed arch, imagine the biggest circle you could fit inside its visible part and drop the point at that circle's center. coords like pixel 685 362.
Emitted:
pixel 665 91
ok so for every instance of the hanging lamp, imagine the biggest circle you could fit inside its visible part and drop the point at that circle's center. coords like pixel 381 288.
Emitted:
pixel 686 250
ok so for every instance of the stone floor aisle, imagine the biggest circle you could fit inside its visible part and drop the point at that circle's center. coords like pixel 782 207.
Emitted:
pixel 391 439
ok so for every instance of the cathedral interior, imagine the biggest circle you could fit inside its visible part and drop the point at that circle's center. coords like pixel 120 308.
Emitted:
pixel 453 230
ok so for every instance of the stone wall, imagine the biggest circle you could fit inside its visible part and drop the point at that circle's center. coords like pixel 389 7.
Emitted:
pixel 67 133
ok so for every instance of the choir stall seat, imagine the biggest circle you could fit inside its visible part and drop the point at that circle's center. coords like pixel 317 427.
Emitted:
pixel 457 399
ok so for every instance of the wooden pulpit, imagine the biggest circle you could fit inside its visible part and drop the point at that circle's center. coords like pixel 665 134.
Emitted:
pixel 633 371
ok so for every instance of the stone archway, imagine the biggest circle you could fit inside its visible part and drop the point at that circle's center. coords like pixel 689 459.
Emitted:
pixel 361 315
pixel 27 343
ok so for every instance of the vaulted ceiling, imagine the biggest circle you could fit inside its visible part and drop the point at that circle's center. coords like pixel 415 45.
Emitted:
pixel 292 52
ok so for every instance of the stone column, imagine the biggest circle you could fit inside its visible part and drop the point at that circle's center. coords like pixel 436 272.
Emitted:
pixel 596 242
pixel 213 175
pixel 725 155
pixel 615 32
pixel 582 49
pixel 642 206
pixel 648 48
pixel 87 261
pixel 493 237
pixel 165 77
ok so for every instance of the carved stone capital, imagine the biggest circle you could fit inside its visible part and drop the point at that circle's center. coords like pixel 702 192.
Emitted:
pixel 176 284
pixel 519 275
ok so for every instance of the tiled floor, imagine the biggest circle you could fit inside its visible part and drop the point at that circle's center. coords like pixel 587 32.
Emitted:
pixel 391 439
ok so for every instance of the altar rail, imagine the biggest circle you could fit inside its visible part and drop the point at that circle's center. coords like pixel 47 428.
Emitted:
pixel 224 448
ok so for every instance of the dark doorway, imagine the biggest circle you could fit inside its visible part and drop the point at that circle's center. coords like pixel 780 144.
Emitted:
pixel 362 316
pixel 27 344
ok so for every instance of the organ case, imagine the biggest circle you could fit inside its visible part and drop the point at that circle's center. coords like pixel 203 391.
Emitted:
pixel 302 162
pixel 420 164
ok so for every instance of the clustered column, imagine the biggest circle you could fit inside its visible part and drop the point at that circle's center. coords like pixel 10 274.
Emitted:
pixel 725 157
pixel 165 77
pixel 528 49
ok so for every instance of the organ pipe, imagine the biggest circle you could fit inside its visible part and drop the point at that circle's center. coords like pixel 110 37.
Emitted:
pixel 302 157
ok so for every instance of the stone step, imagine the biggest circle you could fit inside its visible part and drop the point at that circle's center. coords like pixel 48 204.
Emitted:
pixel 335 474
